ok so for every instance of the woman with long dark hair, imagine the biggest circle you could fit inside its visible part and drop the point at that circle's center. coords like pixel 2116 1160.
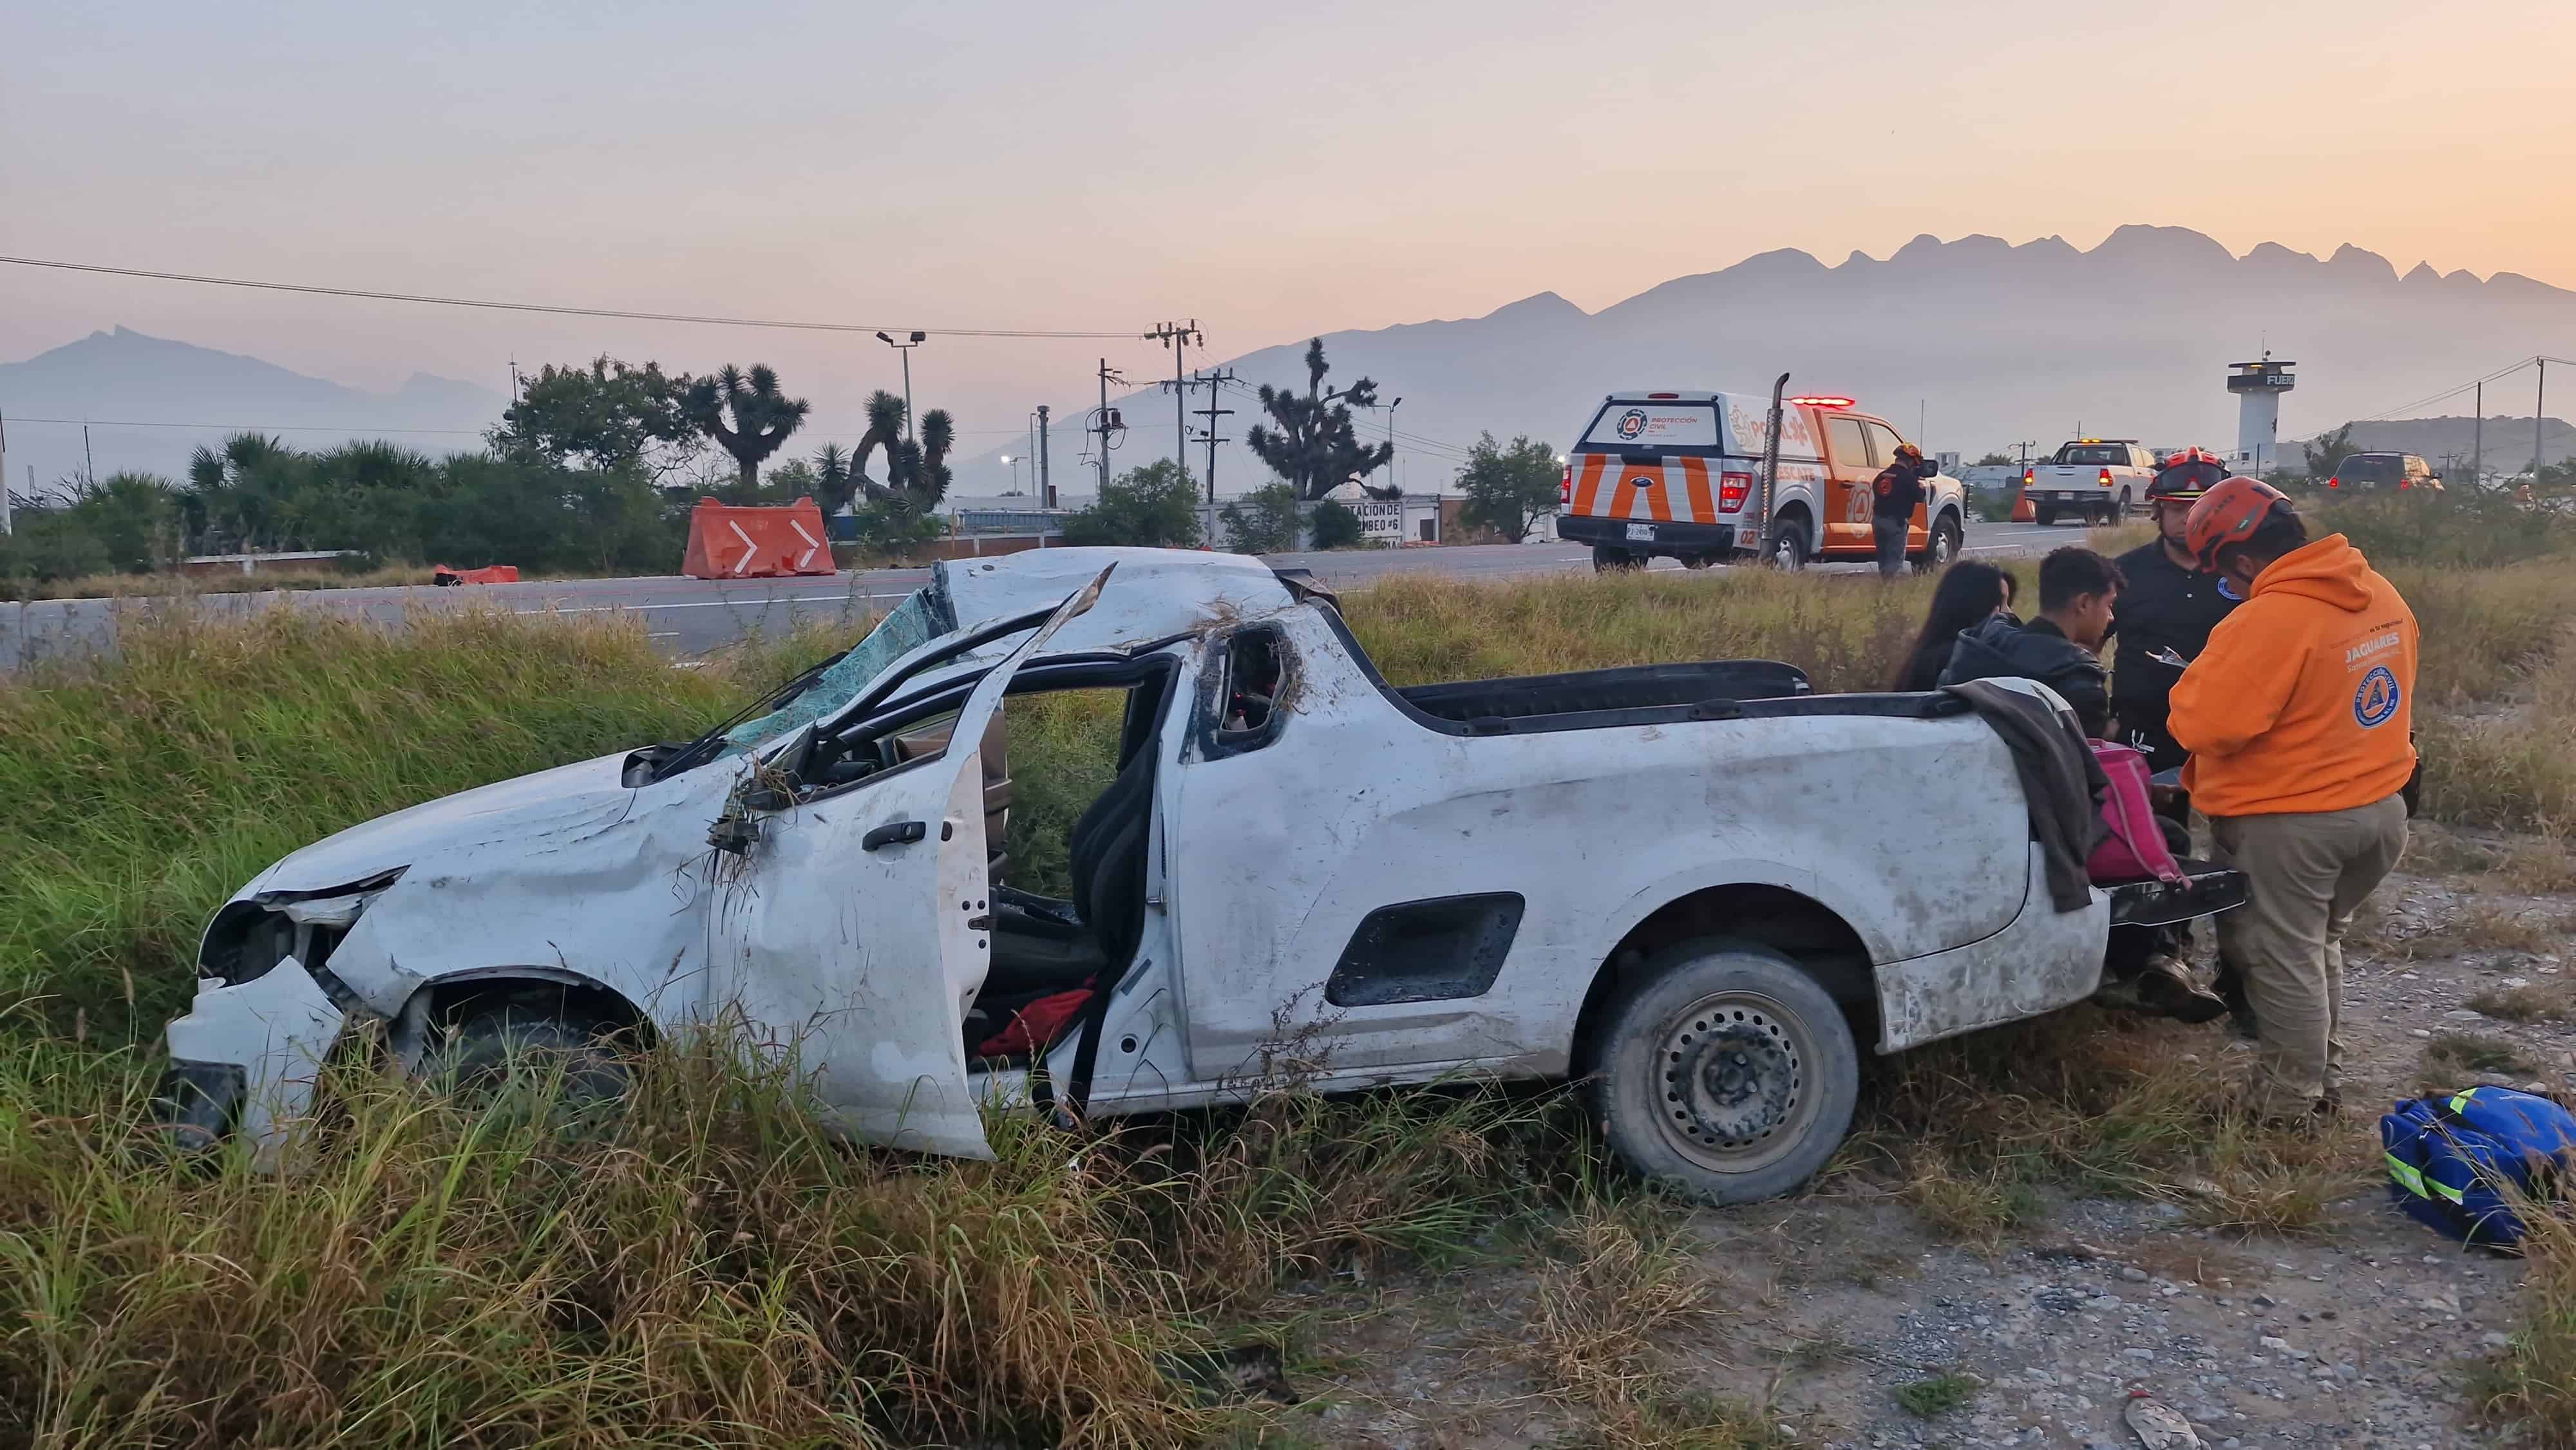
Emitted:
pixel 1970 593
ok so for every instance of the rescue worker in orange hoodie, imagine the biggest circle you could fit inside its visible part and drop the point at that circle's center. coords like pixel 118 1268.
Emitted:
pixel 2298 717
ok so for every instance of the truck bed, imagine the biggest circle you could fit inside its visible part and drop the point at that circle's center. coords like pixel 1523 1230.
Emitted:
pixel 1636 687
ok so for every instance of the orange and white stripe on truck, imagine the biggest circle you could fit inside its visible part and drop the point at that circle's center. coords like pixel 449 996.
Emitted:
pixel 1672 490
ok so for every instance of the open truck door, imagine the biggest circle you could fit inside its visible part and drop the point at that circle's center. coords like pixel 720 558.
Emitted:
pixel 858 928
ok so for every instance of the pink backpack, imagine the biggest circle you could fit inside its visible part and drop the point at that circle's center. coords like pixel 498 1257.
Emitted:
pixel 2135 849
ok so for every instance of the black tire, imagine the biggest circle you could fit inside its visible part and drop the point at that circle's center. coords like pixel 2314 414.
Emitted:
pixel 522 1037
pixel 2126 507
pixel 1606 560
pixel 1941 550
pixel 1789 551
pixel 1726 1072
pixel 2042 515
pixel 1696 561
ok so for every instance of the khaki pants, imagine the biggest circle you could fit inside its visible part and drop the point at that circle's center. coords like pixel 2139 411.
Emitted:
pixel 2307 875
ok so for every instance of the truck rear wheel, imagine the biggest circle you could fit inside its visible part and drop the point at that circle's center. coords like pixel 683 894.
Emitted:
pixel 2043 515
pixel 1607 560
pixel 1942 549
pixel 1726 1072
pixel 1789 546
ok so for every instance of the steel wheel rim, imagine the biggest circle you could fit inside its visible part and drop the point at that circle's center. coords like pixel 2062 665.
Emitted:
pixel 1786 553
pixel 1734 1081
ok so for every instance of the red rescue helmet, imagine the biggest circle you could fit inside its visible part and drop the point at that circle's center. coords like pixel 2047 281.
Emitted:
pixel 2229 514
pixel 2185 476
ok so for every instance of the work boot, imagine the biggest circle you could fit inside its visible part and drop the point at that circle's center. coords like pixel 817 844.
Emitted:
pixel 2166 986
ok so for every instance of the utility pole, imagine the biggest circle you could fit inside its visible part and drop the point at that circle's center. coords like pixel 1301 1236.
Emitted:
pixel 2539 395
pixel 1107 421
pixel 2478 441
pixel 4 478
pixel 1180 335
pixel 89 460
pixel 1392 481
pixel 1216 382
pixel 1046 485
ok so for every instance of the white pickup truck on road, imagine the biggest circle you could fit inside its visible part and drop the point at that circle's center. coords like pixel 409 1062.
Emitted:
pixel 1700 886
pixel 2092 480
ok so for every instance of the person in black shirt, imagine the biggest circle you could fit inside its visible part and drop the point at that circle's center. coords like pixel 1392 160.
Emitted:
pixel 2165 613
pixel 2077 592
pixel 1896 493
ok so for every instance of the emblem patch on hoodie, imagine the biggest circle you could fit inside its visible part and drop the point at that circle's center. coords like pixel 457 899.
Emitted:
pixel 2375 703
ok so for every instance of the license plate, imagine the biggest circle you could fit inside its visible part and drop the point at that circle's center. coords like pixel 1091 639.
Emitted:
pixel 1641 533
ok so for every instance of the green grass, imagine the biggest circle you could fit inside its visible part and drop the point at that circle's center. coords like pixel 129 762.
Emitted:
pixel 144 791
pixel 1938 1395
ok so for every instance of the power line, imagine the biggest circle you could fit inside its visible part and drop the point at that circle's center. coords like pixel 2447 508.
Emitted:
pixel 556 310
pixel 812 426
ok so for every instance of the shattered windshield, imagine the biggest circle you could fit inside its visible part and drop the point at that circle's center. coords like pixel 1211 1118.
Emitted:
pixel 919 619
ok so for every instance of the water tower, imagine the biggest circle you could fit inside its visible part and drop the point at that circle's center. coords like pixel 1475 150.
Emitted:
pixel 2258 386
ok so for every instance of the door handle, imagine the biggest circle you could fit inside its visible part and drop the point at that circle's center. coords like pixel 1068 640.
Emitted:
pixel 893 833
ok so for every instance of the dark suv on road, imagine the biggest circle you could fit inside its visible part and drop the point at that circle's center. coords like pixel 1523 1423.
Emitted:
pixel 2372 472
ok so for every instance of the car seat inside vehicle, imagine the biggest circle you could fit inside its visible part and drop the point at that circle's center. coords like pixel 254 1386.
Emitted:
pixel 1047 947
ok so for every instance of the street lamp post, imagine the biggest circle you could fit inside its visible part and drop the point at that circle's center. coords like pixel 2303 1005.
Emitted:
pixel 1013 462
pixel 906 349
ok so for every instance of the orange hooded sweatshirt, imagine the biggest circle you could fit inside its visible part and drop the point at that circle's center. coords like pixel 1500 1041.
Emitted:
pixel 2304 699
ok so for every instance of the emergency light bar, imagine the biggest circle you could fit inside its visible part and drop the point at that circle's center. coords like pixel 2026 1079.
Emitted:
pixel 1817 401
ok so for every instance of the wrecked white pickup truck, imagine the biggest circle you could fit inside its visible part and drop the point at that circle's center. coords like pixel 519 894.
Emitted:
pixel 1698 885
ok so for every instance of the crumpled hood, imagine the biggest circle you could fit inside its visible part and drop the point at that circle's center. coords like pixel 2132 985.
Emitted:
pixel 569 799
pixel 2329 570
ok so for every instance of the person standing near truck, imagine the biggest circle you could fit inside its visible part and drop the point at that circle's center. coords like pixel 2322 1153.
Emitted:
pixel 1896 493
pixel 2165 612
pixel 2298 721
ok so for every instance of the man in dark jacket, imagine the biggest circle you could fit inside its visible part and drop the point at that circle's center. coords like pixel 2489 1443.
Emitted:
pixel 1895 494
pixel 2077 590
pixel 2167 609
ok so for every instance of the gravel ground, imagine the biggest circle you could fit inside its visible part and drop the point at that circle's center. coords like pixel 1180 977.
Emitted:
pixel 2367 1334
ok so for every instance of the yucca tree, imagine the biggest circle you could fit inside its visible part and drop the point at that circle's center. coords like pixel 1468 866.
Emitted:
pixel 885 430
pixel 762 416
pixel 834 479
pixel 241 491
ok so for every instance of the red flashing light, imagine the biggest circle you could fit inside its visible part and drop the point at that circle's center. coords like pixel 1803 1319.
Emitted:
pixel 1732 489
pixel 1565 486
pixel 2404 484
pixel 2334 483
pixel 1818 400
pixel 1659 397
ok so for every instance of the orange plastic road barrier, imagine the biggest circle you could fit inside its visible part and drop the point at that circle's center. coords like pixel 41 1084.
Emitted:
pixel 756 543
pixel 489 574
pixel 2022 512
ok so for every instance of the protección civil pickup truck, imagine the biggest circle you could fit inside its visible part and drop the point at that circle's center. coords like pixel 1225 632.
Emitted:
pixel 1698 887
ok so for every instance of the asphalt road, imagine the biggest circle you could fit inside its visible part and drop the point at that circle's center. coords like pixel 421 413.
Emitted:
pixel 690 616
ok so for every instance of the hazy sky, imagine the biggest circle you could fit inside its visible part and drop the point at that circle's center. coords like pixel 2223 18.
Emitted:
pixel 1272 170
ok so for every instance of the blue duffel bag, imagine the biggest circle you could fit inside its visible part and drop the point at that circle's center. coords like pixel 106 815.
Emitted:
pixel 2450 1159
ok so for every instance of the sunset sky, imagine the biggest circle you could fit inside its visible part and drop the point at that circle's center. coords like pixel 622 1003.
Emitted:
pixel 1273 171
